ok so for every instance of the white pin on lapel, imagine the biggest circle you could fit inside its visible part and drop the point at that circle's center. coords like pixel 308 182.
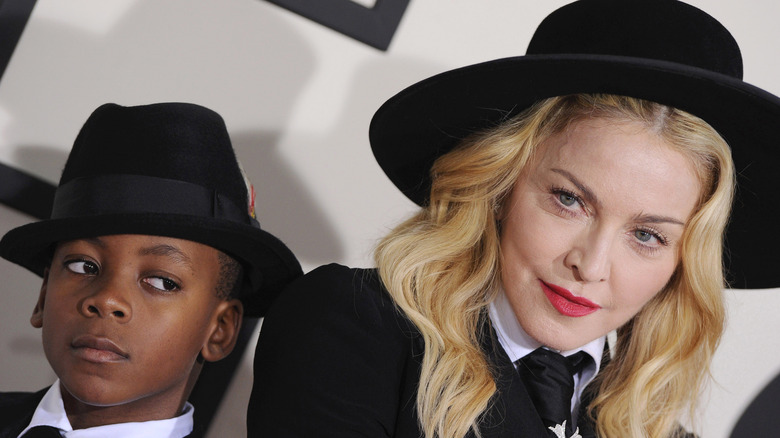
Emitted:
pixel 560 431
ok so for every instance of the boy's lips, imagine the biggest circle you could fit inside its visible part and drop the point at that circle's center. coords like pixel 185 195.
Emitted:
pixel 566 303
pixel 98 349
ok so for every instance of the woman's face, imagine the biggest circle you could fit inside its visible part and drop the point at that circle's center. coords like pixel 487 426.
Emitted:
pixel 591 231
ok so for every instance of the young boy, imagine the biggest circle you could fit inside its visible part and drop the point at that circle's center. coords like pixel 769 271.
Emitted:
pixel 150 259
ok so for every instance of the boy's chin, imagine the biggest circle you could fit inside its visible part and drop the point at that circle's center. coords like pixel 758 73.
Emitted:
pixel 122 400
pixel 93 396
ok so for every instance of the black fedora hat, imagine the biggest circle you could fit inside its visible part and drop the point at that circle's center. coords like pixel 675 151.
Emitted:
pixel 165 169
pixel 660 50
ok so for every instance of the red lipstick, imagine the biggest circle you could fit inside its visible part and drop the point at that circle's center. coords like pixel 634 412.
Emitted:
pixel 566 303
pixel 97 349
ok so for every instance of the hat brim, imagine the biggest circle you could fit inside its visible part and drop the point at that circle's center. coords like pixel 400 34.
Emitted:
pixel 269 264
pixel 429 118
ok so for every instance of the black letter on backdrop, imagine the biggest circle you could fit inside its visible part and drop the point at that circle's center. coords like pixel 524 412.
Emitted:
pixel 373 26
pixel 20 190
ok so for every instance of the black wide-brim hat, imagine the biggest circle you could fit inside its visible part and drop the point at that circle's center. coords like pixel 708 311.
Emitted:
pixel 665 51
pixel 165 169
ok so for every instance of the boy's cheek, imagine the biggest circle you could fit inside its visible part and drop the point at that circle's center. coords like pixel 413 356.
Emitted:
pixel 37 315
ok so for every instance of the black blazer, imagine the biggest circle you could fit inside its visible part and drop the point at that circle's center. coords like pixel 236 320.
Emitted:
pixel 336 358
pixel 17 409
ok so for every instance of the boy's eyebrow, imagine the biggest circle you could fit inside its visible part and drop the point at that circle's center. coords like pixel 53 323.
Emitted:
pixel 168 251
pixel 95 241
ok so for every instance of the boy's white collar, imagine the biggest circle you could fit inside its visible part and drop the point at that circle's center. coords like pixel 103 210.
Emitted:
pixel 51 412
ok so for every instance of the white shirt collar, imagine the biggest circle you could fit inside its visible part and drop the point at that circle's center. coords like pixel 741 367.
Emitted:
pixel 517 344
pixel 51 412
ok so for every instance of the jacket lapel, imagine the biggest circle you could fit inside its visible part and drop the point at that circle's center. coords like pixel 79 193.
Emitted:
pixel 512 413
pixel 16 411
pixel 584 422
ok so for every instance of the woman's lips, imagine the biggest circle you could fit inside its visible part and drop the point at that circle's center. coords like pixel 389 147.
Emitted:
pixel 98 349
pixel 566 303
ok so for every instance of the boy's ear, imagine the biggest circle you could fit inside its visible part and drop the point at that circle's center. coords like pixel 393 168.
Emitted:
pixel 224 335
pixel 37 316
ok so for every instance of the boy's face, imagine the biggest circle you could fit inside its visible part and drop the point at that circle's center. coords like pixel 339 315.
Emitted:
pixel 125 317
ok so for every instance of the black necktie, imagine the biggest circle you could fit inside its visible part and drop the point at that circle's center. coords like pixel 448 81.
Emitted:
pixel 548 376
pixel 43 432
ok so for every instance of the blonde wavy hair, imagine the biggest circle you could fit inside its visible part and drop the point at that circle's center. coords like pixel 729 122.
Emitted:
pixel 442 267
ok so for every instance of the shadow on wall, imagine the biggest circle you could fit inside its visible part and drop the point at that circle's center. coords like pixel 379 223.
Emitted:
pixel 238 58
pixel 283 204
pixel 234 57
pixel 23 365
pixel 45 160
pixel 761 416
pixel 342 165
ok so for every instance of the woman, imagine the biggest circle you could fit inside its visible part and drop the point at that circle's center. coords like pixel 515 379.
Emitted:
pixel 556 210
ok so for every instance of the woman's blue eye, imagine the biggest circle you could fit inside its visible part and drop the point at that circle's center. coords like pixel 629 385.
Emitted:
pixel 82 267
pixel 161 283
pixel 643 236
pixel 566 199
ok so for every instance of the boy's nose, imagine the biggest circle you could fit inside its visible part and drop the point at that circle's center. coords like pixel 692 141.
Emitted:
pixel 589 258
pixel 107 302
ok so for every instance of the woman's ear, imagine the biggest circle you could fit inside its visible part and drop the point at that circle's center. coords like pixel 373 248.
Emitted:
pixel 223 337
pixel 37 316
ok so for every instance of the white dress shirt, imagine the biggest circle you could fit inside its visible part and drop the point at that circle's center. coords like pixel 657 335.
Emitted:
pixel 51 412
pixel 517 344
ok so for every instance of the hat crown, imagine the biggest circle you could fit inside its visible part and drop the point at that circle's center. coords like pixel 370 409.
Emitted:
pixel 665 30
pixel 173 141
pixel 166 169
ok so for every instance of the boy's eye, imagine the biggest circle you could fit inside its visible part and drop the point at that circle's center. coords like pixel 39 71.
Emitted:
pixel 82 267
pixel 161 283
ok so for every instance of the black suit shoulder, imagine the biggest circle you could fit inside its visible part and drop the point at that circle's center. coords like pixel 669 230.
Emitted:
pixel 12 401
pixel 16 411
pixel 333 294
pixel 335 358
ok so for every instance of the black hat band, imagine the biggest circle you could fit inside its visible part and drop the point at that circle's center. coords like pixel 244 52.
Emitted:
pixel 106 194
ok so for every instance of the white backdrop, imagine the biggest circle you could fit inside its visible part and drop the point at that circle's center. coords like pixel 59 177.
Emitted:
pixel 297 98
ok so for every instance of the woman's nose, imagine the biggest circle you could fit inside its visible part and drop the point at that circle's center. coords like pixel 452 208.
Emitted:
pixel 590 257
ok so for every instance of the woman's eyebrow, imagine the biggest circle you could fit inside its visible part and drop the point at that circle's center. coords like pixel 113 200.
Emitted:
pixel 591 198
pixel 655 219
pixel 174 253
pixel 587 194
